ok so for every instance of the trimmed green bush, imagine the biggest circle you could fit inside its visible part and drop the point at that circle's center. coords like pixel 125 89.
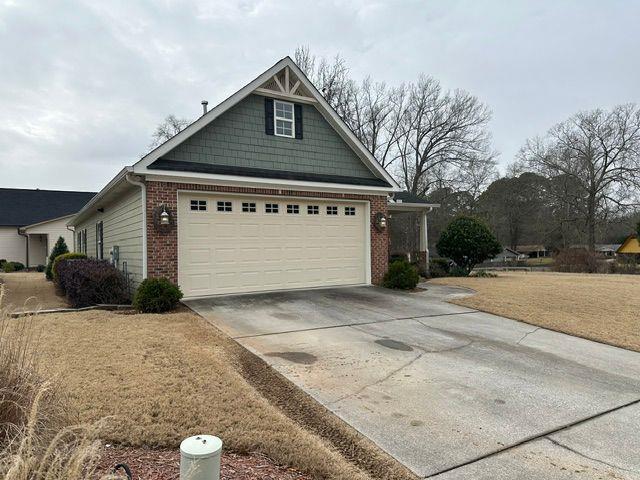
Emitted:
pixel 87 281
pixel 40 268
pixel 156 295
pixel 468 241
pixel 58 249
pixel 401 275
pixel 59 258
pixel 8 267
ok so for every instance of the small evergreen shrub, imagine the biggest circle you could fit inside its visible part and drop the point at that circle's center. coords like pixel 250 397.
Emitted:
pixel 87 281
pixel 2 262
pixel 9 267
pixel 439 267
pixel 40 268
pixel 64 256
pixel 401 275
pixel 468 241
pixel 58 249
pixel 156 295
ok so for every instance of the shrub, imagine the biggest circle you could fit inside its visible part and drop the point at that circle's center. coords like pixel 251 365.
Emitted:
pixel 156 295
pixel 439 267
pixel 2 262
pixel 59 258
pixel 58 249
pixel 86 282
pixel 40 268
pixel 401 275
pixel 467 241
pixel 9 267
pixel 578 260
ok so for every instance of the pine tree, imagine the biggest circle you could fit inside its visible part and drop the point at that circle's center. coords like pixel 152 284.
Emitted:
pixel 59 248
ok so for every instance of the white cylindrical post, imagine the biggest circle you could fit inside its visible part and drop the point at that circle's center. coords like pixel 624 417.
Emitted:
pixel 200 458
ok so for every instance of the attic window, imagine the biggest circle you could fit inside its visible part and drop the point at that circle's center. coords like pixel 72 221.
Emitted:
pixel 283 119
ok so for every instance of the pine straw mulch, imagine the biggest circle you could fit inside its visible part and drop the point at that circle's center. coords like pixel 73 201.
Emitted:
pixel 164 464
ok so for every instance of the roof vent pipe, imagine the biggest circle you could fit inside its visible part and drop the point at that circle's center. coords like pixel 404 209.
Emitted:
pixel 204 106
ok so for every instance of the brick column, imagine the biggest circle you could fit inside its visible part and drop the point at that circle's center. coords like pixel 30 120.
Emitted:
pixel 379 241
pixel 162 248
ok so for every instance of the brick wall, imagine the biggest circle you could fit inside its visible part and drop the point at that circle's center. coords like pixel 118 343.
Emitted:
pixel 162 247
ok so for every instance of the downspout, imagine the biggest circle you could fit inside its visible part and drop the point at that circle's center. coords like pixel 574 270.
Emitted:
pixel 73 231
pixel 26 237
pixel 143 189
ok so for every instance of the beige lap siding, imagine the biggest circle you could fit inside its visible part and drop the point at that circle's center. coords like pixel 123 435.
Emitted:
pixel 162 250
pixel 122 226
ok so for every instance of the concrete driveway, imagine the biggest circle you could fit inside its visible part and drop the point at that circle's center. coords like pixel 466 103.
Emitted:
pixel 451 392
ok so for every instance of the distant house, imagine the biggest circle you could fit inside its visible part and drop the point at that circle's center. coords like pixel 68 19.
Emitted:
pixel 630 246
pixel 508 255
pixel 534 251
pixel 32 220
pixel 608 249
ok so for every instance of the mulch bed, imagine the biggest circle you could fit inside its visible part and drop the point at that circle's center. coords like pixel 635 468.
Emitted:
pixel 164 464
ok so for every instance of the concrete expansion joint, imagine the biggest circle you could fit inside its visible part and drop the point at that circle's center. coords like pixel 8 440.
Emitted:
pixel 580 454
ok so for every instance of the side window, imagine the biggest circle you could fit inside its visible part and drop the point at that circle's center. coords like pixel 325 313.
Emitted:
pixel 224 206
pixel 283 119
pixel 79 241
pixel 270 208
pixel 99 241
pixel 84 241
pixel 313 210
pixel 248 207
pixel 198 205
pixel 349 211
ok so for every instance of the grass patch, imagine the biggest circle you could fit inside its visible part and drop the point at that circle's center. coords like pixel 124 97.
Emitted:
pixel 605 308
pixel 165 377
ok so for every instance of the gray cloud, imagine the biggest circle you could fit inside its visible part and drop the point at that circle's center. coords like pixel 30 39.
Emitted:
pixel 83 84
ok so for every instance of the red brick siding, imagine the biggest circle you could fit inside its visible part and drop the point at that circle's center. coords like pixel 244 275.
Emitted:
pixel 162 249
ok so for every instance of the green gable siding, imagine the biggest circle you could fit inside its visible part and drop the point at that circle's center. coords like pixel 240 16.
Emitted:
pixel 237 138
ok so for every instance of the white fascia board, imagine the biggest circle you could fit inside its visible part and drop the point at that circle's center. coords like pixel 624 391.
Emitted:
pixel 26 227
pixel 323 107
pixel 256 182
pixel 98 196
pixel 398 206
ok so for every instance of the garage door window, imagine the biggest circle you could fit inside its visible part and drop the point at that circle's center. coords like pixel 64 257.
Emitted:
pixel 313 210
pixel 248 207
pixel 271 208
pixel 294 209
pixel 332 210
pixel 224 206
pixel 198 205
pixel 349 211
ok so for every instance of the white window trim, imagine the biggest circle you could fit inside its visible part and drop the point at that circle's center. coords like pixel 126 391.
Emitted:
pixel 276 118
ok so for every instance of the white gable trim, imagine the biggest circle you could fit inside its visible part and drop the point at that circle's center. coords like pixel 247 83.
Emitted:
pixel 323 107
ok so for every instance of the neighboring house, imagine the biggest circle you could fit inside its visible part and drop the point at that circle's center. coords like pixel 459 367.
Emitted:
pixel 32 220
pixel 508 255
pixel 630 246
pixel 608 250
pixel 269 190
pixel 534 251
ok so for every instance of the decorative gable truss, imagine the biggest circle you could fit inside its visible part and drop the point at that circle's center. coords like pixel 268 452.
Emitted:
pixel 286 85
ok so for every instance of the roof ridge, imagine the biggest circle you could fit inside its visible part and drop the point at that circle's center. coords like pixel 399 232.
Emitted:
pixel 45 190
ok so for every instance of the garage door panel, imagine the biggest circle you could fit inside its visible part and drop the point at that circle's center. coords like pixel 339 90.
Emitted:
pixel 232 252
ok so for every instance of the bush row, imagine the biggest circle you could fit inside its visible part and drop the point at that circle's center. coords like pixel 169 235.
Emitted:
pixel 87 282
pixel 8 267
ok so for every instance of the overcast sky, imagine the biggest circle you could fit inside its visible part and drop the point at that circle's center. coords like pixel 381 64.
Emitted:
pixel 83 84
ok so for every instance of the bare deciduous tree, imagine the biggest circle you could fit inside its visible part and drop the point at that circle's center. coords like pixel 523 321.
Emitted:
pixel 599 151
pixel 169 127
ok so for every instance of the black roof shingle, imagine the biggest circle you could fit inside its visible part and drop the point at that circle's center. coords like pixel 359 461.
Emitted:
pixel 21 207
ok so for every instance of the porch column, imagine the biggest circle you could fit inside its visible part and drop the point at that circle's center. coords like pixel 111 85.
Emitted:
pixel 424 241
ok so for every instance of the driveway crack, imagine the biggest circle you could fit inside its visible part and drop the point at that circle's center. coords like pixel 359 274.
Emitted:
pixel 527 334
pixel 572 450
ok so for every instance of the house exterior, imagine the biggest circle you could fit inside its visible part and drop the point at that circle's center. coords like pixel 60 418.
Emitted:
pixel 32 220
pixel 508 255
pixel 534 251
pixel 269 190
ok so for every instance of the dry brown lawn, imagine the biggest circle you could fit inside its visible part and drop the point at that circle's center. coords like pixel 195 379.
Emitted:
pixel 30 291
pixel 605 308
pixel 165 377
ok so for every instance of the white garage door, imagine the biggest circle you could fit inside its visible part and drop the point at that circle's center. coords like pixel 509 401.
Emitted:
pixel 232 244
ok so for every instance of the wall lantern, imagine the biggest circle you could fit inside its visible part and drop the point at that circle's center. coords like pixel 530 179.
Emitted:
pixel 380 222
pixel 163 220
pixel 164 217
